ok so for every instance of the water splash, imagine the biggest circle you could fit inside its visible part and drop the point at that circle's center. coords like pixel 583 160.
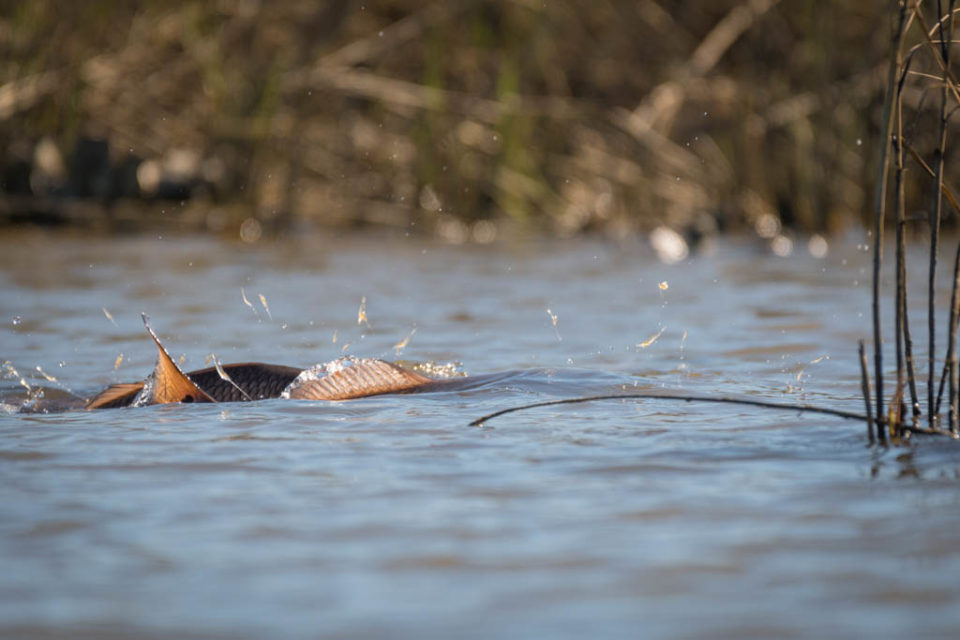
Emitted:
pixel 263 301
pixel 554 318
pixel 223 376
pixel 145 397
pixel 109 316
pixel 362 313
pixel 246 301
pixel 649 341
pixel 436 369
pixel 400 346
pixel 322 370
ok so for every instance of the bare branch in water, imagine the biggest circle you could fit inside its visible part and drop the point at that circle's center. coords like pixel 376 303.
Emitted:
pixel 849 415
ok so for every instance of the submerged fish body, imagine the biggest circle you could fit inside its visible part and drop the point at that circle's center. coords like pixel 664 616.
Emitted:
pixel 339 380
pixel 251 381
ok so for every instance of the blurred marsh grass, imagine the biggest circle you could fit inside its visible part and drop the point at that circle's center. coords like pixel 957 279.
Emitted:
pixel 568 117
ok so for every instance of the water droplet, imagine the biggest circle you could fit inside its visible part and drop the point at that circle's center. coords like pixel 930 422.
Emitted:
pixel 782 246
pixel 859 142
pixel 818 246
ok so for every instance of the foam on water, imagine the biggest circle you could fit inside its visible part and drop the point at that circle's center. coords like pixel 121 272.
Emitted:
pixel 322 370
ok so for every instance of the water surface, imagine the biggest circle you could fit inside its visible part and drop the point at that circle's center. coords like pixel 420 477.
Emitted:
pixel 389 517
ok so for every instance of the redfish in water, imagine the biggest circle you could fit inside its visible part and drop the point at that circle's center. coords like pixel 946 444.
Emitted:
pixel 339 380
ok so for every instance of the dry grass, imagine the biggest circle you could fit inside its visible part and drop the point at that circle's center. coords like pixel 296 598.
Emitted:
pixel 566 116
pixel 921 66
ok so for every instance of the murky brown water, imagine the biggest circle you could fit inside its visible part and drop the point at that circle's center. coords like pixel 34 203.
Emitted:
pixel 389 517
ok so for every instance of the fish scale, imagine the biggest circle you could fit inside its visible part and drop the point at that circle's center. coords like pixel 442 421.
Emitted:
pixel 366 377
pixel 257 380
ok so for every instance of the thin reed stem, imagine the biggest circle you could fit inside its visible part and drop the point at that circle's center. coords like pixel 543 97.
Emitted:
pixel 865 385
pixel 880 202
pixel 901 271
pixel 947 191
pixel 954 391
pixel 904 339
pixel 908 353
pixel 951 361
pixel 937 213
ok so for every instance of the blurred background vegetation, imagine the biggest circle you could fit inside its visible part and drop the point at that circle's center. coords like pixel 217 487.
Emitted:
pixel 460 118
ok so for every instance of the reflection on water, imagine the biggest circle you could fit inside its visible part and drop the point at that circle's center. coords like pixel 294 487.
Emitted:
pixel 389 517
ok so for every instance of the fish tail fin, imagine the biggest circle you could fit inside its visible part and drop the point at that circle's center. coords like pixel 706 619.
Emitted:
pixel 170 384
pixel 116 395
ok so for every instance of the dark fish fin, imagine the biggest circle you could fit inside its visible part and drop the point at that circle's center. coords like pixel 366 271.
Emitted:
pixel 116 395
pixel 170 384
pixel 364 378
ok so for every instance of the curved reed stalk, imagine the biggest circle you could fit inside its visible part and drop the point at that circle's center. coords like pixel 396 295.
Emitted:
pixel 803 408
